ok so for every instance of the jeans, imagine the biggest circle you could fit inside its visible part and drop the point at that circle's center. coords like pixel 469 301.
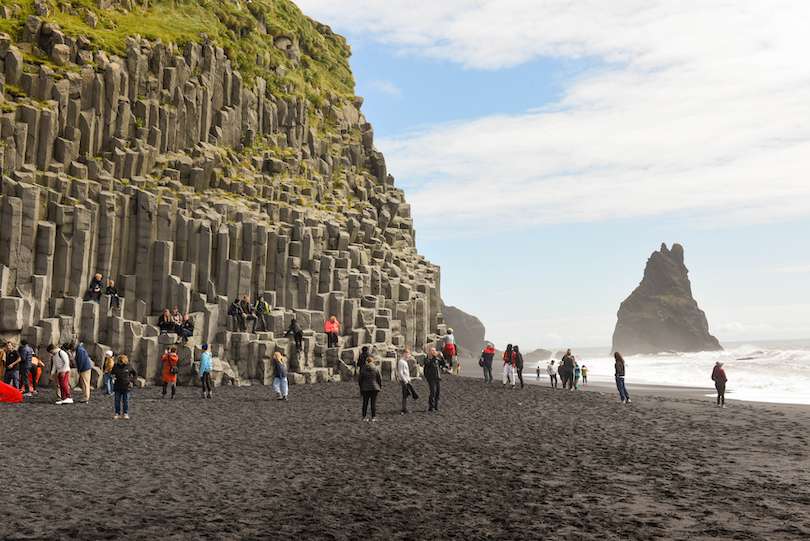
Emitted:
pixel 435 388
pixel 487 373
pixel 622 389
pixel 280 385
pixel 721 392
pixel 553 378
pixel 12 378
pixel 118 397
pixel 108 382
pixel 370 396
pixel 24 383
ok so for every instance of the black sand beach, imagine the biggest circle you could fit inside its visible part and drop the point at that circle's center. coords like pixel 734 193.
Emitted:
pixel 492 464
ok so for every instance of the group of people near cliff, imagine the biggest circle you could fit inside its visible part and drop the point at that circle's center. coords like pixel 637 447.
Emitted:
pixel 569 371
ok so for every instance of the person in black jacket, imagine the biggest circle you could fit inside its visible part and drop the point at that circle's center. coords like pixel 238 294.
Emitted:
pixel 187 329
pixel 94 291
pixel 370 386
pixel 433 375
pixel 298 334
pixel 518 359
pixel 112 291
pixel 566 371
pixel 235 311
pixel 124 376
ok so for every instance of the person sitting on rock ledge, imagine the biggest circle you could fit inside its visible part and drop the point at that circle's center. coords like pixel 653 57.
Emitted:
pixel 235 311
pixel 186 329
pixel 298 334
pixel 112 291
pixel 177 317
pixel 331 328
pixel 94 291
pixel 166 323
pixel 250 314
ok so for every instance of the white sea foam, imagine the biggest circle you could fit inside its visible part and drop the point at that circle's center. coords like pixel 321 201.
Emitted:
pixel 767 371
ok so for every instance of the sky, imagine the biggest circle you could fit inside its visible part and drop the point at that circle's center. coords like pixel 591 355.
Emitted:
pixel 548 148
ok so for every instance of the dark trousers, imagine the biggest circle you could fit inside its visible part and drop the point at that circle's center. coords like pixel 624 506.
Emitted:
pixel 24 383
pixel 553 379
pixel 567 380
pixel 721 391
pixel 520 376
pixel 174 388
pixel 370 396
pixel 206 382
pixel 487 373
pixel 262 321
pixel 115 301
pixel 406 392
pixel 121 397
pixel 299 340
pixel 435 388
pixel 331 339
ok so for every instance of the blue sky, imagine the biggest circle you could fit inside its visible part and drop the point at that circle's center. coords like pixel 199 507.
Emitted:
pixel 547 149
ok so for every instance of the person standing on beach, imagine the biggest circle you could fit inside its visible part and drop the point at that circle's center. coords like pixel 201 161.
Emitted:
pixel 12 374
pixel 433 375
pixel 370 386
pixel 85 368
pixel 576 374
pixel 567 371
pixel 552 373
pixel 720 379
pixel 584 375
pixel 517 361
pixel 170 370
pixel 620 378
pixel 26 364
pixel 206 366
pixel 109 364
pixel 60 367
pixel 486 362
pixel 404 373
pixel 280 377
pixel 508 367
pixel 124 376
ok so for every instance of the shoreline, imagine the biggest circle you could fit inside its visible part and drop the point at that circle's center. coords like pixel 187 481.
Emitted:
pixel 470 369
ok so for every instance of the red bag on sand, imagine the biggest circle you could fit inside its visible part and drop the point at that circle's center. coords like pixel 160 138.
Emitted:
pixel 9 394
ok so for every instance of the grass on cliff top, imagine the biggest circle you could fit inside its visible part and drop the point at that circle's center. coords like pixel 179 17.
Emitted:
pixel 230 24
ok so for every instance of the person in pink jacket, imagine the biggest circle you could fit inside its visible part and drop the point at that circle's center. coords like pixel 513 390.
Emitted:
pixel 720 379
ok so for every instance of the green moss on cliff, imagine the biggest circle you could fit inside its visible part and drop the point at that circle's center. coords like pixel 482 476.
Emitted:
pixel 234 26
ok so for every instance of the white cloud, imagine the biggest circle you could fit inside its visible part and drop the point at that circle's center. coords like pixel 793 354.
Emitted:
pixel 386 87
pixel 698 109
pixel 791 269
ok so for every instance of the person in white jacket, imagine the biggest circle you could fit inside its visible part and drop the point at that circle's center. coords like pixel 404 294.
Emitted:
pixel 60 367
pixel 404 374
pixel 552 373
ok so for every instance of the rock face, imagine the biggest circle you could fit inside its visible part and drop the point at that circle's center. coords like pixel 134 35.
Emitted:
pixel 468 329
pixel 661 315
pixel 162 171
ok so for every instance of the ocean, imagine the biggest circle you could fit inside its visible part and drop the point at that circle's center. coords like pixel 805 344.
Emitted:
pixel 759 371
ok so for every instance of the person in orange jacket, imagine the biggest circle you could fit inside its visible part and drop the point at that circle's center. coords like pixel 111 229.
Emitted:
pixel 170 370
pixel 332 329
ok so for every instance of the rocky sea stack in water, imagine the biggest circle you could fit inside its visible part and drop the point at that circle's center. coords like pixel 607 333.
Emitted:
pixel 661 315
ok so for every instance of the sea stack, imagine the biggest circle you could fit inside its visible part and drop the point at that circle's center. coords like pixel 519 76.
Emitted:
pixel 661 315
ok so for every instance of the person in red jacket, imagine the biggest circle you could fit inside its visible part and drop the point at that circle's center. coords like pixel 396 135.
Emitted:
pixel 170 370
pixel 332 328
pixel 720 379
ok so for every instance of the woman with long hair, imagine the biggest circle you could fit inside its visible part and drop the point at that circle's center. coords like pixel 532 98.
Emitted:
pixel 620 378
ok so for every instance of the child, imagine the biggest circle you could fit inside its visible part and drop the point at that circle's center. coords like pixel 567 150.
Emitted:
pixel 584 375
pixel 577 373
pixel 112 291
pixel 109 363
pixel 124 376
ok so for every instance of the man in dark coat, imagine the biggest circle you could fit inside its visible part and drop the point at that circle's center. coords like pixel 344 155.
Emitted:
pixel 433 375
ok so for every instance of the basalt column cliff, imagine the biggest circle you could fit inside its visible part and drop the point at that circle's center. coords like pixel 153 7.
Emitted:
pixel 192 183
pixel 661 315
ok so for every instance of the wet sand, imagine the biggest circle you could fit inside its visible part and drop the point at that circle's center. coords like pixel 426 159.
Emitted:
pixel 533 463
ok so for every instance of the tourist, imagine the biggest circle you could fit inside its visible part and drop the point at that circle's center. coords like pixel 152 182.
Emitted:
pixel 331 328
pixel 112 291
pixel 404 373
pixel 517 361
pixel 60 367
pixel 84 367
pixel 3 362
pixel 12 374
pixel 576 373
pixel 262 310
pixel 124 376
pixel 206 366
pixel 26 363
pixel 620 378
pixel 567 371
pixel 280 383
pixel 237 315
pixel 37 366
pixel 166 324
pixel 433 375
pixel 249 313
pixel 538 372
pixel 94 291
pixel 177 318
pixel 449 350
pixel 109 364
pixel 508 367
pixel 720 379
pixel 584 375
pixel 552 373
pixel 170 370
pixel 186 329
pixel 486 362
pixel 298 334
pixel 370 386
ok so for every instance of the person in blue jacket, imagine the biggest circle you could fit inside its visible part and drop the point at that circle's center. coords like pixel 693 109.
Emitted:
pixel 85 368
pixel 206 365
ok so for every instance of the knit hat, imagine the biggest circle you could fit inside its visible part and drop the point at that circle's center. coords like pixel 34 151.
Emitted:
pixel 205 347
pixel 109 353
